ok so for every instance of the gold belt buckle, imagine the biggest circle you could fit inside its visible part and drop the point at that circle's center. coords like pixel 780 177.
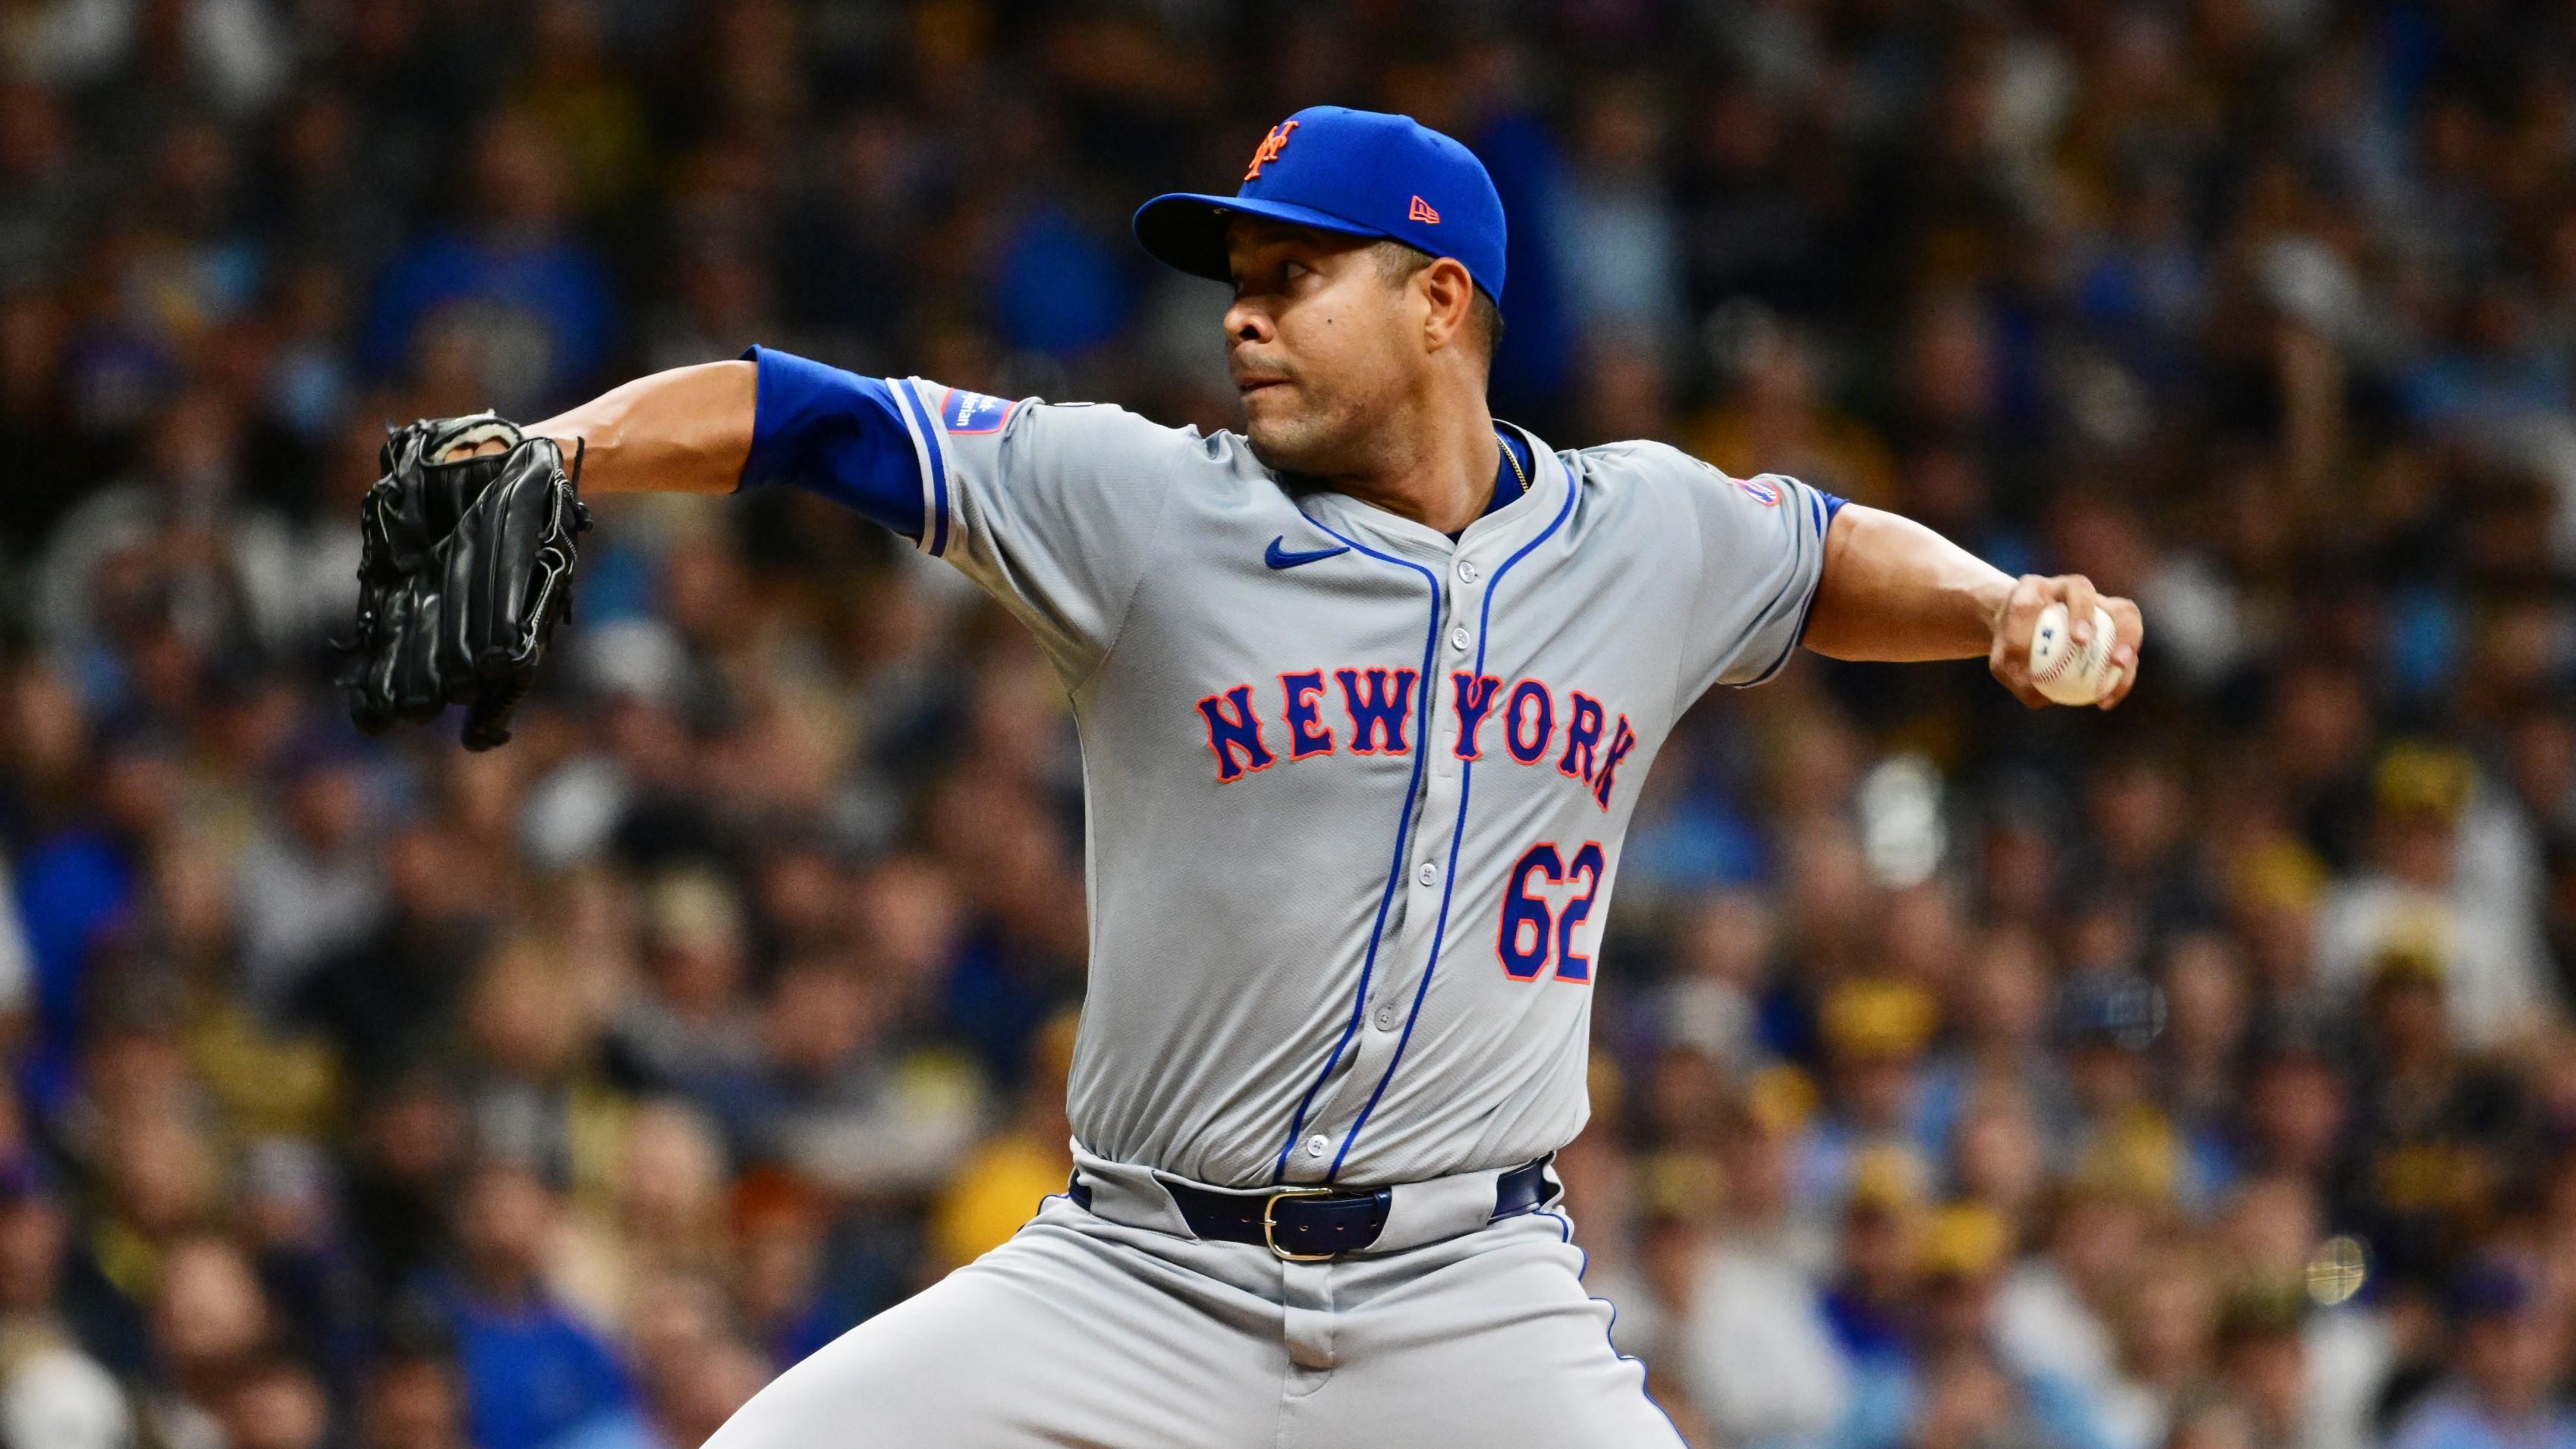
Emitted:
pixel 1270 1225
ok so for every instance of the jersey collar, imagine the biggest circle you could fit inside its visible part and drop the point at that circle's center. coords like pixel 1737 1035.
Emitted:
pixel 1508 526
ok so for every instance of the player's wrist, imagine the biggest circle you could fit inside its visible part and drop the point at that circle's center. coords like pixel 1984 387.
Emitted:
pixel 1992 599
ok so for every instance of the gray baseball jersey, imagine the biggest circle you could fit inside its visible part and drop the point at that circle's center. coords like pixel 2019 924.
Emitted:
pixel 1355 791
pixel 1355 798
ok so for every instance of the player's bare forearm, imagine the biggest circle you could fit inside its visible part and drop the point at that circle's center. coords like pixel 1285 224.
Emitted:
pixel 687 430
pixel 1896 591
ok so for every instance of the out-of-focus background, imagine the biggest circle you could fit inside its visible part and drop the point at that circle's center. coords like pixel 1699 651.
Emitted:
pixel 2197 1075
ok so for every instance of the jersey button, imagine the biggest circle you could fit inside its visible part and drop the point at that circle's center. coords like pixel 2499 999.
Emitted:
pixel 1316 1145
pixel 1459 639
pixel 1429 874
pixel 1386 1017
pixel 1466 571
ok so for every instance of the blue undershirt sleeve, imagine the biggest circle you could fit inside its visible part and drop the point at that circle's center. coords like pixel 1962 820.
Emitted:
pixel 835 434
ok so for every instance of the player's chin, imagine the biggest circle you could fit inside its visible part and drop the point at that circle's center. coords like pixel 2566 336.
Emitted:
pixel 1270 409
pixel 1281 438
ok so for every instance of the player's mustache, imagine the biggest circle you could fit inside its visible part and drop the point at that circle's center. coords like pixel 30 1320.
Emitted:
pixel 1248 374
pixel 1249 368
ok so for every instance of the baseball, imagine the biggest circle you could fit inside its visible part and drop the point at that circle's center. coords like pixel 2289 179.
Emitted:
pixel 2066 673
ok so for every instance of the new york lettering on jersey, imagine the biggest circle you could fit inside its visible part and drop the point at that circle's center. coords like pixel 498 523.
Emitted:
pixel 1356 790
pixel 1375 701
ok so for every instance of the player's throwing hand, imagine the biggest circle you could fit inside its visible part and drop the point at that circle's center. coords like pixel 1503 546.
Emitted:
pixel 2016 625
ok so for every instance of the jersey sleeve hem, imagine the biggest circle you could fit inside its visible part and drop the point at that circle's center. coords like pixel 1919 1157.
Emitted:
pixel 1821 506
pixel 932 452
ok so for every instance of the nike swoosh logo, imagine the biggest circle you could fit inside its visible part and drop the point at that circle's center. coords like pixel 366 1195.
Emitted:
pixel 1280 558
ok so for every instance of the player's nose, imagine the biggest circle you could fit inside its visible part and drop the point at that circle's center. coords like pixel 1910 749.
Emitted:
pixel 1245 322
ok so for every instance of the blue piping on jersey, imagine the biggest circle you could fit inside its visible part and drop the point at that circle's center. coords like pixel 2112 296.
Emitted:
pixel 1458 836
pixel 938 470
pixel 1565 1227
pixel 1395 870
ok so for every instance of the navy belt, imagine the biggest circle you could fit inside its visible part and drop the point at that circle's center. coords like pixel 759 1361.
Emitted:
pixel 1315 1224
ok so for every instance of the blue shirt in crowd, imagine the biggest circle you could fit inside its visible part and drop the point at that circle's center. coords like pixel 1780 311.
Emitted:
pixel 2453 1419
pixel 531 1372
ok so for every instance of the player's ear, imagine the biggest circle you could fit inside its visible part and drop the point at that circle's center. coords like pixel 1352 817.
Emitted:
pixel 1449 294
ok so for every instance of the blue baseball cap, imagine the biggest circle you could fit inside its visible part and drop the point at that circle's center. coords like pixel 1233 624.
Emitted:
pixel 1360 173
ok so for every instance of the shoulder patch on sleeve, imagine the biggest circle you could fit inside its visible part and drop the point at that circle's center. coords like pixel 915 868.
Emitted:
pixel 1761 491
pixel 962 412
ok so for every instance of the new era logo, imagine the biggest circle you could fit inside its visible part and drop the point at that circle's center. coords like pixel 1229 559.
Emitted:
pixel 1422 212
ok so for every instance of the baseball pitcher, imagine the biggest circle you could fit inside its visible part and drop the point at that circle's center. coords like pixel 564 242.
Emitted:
pixel 1366 693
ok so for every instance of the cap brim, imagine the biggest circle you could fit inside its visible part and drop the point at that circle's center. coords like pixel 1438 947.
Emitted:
pixel 1187 230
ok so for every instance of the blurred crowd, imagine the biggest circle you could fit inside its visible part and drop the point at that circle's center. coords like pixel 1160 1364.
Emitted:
pixel 2199 1075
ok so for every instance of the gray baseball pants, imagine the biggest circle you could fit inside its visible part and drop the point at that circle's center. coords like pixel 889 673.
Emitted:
pixel 1113 1327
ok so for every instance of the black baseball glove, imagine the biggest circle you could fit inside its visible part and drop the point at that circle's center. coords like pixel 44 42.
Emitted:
pixel 465 569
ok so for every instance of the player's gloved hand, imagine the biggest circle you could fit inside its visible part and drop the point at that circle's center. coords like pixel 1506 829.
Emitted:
pixel 2009 656
pixel 465 617
pixel 431 475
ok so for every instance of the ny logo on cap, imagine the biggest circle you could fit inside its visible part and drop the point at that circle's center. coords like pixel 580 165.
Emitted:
pixel 1422 212
pixel 1270 147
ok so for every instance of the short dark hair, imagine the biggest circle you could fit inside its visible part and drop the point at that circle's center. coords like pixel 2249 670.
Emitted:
pixel 1398 261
